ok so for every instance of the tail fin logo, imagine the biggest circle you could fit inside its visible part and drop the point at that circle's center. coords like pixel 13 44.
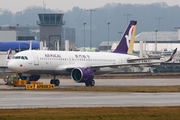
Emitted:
pixel 128 37
pixel 125 46
pixel 9 54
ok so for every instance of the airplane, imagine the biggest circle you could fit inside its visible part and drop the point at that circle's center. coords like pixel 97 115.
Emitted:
pixel 81 66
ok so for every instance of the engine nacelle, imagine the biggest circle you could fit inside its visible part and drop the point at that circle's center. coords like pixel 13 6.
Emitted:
pixel 31 78
pixel 82 75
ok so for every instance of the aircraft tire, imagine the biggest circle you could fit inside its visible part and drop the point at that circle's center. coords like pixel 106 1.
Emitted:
pixel 87 83
pixel 56 82
pixel 92 83
pixel 52 81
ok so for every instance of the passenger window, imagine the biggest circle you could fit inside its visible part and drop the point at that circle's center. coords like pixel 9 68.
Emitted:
pixel 13 57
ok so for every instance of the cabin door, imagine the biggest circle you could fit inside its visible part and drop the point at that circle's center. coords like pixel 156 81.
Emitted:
pixel 36 59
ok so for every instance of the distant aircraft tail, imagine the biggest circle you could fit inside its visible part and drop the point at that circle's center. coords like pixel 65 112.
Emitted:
pixel 9 54
pixel 172 55
pixel 127 41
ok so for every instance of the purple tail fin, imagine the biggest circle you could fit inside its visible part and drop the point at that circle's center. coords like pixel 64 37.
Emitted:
pixel 125 40
pixel 9 54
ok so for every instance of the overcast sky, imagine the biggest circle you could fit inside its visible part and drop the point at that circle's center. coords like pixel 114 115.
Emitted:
pixel 65 5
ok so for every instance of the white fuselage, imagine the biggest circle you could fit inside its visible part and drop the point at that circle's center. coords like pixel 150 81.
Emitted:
pixel 58 62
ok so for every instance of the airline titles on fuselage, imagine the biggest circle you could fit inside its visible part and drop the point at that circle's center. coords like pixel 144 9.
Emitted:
pixel 53 55
pixel 82 56
pixel 59 56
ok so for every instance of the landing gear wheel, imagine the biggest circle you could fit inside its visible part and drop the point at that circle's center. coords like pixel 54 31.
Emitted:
pixel 52 81
pixel 87 83
pixel 56 82
pixel 92 83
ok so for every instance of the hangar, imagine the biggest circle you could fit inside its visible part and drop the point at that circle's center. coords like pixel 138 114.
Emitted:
pixel 165 40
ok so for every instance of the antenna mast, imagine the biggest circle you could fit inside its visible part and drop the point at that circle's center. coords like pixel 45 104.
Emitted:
pixel 44 7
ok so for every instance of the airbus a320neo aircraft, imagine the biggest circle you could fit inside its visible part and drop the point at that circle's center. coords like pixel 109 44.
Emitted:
pixel 82 66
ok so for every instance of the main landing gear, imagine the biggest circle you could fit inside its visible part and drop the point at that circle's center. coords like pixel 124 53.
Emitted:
pixel 91 83
pixel 55 81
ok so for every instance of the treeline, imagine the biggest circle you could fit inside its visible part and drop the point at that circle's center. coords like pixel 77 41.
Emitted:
pixel 114 13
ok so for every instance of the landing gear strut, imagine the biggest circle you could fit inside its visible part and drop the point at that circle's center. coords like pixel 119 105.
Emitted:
pixel 55 81
pixel 91 83
pixel 28 81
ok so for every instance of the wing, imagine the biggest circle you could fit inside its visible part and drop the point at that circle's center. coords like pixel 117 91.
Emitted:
pixel 155 58
pixel 140 59
pixel 135 64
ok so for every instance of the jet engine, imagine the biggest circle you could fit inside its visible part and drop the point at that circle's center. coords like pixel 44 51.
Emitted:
pixel 82 75
pixel 31 78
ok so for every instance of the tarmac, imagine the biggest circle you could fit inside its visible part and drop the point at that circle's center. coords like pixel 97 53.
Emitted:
pixel 59 99
pixel 13 99
pixel 108 82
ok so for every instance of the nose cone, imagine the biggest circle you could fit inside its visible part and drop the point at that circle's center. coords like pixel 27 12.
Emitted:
pixel 12 66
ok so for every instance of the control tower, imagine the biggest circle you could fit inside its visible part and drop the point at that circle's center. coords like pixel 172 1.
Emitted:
pixel 50 30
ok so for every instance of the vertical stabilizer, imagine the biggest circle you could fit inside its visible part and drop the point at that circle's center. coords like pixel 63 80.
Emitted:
pixel 9 54
pixel 127 41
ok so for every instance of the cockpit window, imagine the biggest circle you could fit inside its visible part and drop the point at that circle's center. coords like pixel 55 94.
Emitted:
pixel 17 57
pixel 22 57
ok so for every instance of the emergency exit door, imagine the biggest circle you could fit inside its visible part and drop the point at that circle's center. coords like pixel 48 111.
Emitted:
pixel 36 59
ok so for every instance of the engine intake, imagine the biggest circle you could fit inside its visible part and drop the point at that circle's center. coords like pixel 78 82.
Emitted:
pixel 82 75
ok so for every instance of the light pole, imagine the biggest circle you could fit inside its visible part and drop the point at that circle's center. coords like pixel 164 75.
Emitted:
pixel 25 18
pixel 108 34
pixel 17 29
pixel 127 17
pixel 159 21
pixel 19 46
pixel 17 26
pixel 84 36
pixel 90 26
pixel 156 43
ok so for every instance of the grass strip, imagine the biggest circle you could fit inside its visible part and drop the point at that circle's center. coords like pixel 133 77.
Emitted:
pixel 150 89
pixel 145 89
pixel 101 113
